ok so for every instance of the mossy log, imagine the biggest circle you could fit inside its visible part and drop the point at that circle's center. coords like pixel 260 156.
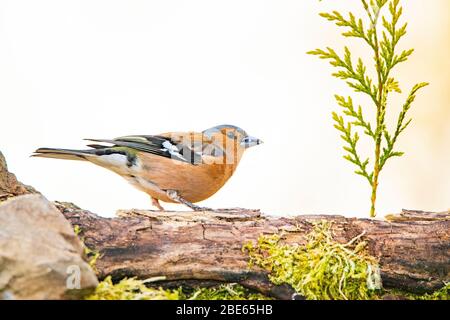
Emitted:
pixel 205 248
pixel 201 248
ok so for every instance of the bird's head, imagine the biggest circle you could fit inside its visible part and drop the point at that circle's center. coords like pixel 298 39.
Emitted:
pixel 234 133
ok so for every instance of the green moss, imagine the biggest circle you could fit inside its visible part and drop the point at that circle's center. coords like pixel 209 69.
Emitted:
pixel 77 229
pixel 134 289
pixel 130 289
pixel 92 255
pixel 321 269
pixel 441 294
pixel 231 291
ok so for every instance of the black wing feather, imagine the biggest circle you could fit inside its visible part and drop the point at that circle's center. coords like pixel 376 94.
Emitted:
pixel 154 145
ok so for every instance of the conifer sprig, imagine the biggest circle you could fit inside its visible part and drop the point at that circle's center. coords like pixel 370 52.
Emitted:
pixel 383 42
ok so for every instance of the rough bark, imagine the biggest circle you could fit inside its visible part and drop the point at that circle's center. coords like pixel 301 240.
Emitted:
pixel 200 247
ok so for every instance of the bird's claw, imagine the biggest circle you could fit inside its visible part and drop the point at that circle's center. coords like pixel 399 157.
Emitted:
pixel 198 208
pixel 172 194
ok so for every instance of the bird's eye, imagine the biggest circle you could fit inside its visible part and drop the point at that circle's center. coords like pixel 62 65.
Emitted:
pixel 231 135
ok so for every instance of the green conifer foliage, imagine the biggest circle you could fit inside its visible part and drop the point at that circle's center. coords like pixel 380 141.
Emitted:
pixel 381 31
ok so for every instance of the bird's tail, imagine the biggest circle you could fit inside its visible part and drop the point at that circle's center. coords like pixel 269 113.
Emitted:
pixel 67 154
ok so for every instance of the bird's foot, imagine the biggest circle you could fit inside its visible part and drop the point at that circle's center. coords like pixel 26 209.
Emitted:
pixel 155 203
pixel 172 194
pixel 198 208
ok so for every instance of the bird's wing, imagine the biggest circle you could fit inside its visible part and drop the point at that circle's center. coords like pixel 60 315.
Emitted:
pixel 161 145
pixel 188 147
pixel 199 143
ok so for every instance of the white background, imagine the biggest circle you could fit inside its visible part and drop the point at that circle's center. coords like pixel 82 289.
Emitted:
pixel 79 69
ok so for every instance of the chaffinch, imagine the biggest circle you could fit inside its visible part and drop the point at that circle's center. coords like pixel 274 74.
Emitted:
pixel 176 167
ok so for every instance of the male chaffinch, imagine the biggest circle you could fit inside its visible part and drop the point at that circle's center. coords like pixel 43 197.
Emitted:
pixel 176 167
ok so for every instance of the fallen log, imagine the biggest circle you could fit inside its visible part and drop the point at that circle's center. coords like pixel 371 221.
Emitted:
pixel 204 248
pixel 199 248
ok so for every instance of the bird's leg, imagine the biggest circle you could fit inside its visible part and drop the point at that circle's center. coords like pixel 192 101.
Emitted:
pixel 172 194
pixel 155 203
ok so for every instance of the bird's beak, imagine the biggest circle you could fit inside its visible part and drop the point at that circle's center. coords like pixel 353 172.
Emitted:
pixel 249 141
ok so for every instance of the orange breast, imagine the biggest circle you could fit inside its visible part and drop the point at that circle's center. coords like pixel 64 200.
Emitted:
pixel 192 182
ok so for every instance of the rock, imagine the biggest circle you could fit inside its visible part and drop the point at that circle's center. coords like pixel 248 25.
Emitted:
pixel 9 185
pixel 40 255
